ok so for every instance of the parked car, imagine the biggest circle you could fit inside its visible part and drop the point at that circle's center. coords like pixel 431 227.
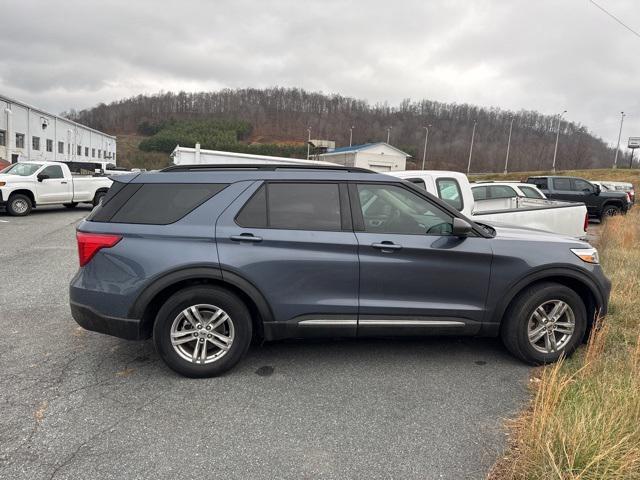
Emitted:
pixel 206 258
pixel 25 185
pixel 567 218
pixel 599 203
pixel 619 186
pixel 490 190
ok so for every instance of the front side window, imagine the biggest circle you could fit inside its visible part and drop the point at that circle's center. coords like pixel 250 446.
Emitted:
pixel 562 184
pixel 19 140
pixel 502 191
pixel 530 192
pixel 392 209
pixel 53 171
pixel 449 191
pixel 582 185
pixel 293 206
pixel 49 145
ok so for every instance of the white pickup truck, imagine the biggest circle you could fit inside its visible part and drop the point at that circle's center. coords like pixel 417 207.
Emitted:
pixel 565 218
pixel 25 185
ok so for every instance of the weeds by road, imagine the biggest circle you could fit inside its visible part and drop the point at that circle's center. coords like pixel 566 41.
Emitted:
pixel 584 420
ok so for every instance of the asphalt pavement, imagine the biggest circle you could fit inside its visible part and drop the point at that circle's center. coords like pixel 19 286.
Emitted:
pixel 77 404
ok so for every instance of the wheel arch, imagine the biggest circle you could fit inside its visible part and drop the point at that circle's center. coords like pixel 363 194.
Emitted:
pixel 153 296
pixel 24 191
pixel 574 279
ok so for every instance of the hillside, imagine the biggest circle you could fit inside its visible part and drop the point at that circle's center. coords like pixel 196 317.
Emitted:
pixel 279 116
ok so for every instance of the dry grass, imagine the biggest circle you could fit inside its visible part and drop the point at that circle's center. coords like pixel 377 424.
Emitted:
pixel 584 420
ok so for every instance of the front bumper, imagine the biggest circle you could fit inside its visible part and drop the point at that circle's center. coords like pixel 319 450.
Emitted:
pixel 127 328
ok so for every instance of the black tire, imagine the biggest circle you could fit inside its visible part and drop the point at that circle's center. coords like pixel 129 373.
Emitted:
pixel 610 211
pixel 71 205
pixel 515 324
pixel 198 295
pixel 98 197
pixel 19 205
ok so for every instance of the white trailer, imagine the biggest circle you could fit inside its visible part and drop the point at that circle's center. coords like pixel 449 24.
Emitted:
pixel 198 156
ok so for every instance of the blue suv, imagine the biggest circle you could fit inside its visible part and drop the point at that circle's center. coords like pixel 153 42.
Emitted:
pixel 205 259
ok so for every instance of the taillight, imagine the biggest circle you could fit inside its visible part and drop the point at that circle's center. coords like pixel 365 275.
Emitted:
pixel 586 222
pixel 90 243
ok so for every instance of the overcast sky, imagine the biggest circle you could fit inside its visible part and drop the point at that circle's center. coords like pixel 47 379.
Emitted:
pixel 546 55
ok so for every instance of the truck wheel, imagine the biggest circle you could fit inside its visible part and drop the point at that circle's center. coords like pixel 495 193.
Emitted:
pixel 543 323
pixel 19 205
pixel 202 331
pixel 71 205
pixel 98 198
pixel 610 211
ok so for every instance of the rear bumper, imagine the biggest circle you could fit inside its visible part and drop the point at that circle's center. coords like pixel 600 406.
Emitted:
pixel 127 328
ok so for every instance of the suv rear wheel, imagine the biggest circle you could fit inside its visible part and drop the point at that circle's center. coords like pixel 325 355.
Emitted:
pixel 544 322
pixel 610 211
pixel 202 331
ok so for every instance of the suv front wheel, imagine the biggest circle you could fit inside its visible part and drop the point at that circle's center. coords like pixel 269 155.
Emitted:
pixel 543 323
pixel 202 331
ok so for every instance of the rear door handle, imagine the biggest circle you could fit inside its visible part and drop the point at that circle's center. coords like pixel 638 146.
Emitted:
pixel 64 183
pixel 389 246
pixel 246 237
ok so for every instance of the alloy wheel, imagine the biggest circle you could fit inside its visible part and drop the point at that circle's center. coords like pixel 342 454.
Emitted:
pixel 551 326
pixel 19 206
pixel 202 333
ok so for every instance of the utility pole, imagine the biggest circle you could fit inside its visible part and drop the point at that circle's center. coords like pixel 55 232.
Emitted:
pixel 615 159
pixel 388 133
pixel 555 151
pixel 506 161
pixel 473 134
pixel 351 135
pixel 426 141
pixel 308 141
pixel 631 159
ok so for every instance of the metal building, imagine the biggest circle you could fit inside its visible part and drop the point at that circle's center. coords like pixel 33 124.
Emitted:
pixel 379 156
pixel 29 133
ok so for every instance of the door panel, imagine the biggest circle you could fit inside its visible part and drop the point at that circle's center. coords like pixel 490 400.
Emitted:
pixel 309 278
pixel 55 189
pixel 416 282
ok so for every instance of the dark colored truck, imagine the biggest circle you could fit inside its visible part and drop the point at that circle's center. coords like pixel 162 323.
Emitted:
pixel 600 203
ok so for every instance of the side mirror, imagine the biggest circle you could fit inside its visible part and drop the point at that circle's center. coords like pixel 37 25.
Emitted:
pixel 460 228
pixel 42 176
pixel 597 189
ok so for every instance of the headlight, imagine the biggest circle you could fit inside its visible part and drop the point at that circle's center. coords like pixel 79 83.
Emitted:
pixel 589 255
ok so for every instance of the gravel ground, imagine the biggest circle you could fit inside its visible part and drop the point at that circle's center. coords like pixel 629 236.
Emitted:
pixel 78 404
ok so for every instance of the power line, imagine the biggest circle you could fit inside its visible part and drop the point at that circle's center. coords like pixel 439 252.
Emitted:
pixel 616 19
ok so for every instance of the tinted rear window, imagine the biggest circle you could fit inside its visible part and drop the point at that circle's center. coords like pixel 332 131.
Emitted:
pixel 153 203
pixel 294 206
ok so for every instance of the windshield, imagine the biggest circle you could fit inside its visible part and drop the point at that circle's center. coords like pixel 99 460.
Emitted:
pixel 22 169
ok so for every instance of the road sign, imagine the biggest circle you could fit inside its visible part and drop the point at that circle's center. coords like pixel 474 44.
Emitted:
pixel 634 142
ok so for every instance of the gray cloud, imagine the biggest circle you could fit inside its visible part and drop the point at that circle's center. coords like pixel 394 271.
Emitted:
pixel 544 55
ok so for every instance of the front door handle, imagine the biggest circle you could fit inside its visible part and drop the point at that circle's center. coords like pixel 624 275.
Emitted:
pixel 64 183
pixel 387 246
pixel 246 237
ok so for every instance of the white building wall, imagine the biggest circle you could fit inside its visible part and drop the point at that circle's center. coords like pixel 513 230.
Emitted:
pixel 32 122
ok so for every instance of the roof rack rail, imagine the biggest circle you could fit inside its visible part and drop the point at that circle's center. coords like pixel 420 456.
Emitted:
pixel 261 166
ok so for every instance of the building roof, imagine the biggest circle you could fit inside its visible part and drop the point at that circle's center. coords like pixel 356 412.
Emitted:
pixel 41 111
pixel 364 146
